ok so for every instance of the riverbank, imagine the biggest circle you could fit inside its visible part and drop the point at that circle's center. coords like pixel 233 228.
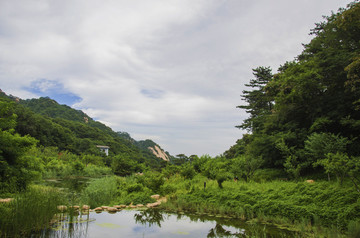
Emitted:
pixel 312 209
pixel 317 209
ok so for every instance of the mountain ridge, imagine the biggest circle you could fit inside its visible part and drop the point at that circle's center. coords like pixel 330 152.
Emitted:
pixel 55 124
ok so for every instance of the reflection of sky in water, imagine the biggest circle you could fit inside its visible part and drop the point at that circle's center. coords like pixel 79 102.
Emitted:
pixel 123 224
pixel 130 223
pixel 145 229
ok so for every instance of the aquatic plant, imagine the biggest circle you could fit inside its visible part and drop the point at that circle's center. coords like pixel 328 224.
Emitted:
pixel 30 211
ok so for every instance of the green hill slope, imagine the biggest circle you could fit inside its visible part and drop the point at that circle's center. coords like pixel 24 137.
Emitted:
pixel 68 129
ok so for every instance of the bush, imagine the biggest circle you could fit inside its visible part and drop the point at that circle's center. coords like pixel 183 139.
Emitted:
pixel 100 192
pixel 96 171
pixel 152 180
pixel 135 188
pixel 354 229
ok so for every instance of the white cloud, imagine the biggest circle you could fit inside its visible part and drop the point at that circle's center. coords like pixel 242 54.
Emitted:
pixel 170 70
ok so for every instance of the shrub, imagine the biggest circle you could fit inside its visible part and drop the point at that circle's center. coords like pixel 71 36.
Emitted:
pixel 100 192
pixel 135 188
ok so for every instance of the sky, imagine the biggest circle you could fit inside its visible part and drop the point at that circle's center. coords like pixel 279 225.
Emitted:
pixel 168 70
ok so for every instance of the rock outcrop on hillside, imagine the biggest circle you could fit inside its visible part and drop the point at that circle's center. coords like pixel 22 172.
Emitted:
pixel 159 153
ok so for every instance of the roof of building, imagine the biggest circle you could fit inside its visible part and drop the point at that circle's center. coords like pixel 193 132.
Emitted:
pixel 103 146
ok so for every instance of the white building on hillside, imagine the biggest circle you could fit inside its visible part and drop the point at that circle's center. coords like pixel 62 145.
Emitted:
pixel 104 148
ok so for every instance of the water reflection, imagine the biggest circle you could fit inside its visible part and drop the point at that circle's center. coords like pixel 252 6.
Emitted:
pixel 149 217
pixel 69 225
pixel 219 231
pixel 155 223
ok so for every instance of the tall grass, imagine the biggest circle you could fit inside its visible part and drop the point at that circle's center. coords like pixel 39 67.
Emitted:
pixel 116 190
pixel 297 204
pixel 100 192
pixel 29 212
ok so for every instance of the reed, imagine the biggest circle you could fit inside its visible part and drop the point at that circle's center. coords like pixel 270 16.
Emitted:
pixel 30 211
pixel 100 192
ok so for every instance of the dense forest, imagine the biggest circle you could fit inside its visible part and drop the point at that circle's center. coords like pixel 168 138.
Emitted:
pixel 303 125
pixel 305 117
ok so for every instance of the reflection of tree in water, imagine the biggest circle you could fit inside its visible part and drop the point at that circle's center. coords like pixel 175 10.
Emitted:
pixel 149 216
pixel 68 225
pixel 219 231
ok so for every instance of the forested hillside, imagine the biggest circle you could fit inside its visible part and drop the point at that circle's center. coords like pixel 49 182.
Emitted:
pixel 46 124
pixel 306 116
pixel 85 127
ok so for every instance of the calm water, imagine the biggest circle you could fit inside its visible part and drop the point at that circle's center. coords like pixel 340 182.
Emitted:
pixel 156 223
pixel 149 223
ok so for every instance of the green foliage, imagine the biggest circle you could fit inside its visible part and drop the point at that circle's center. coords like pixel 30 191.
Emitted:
pixel 170 170
pixel 72 130
pixel 187 171
pixel 123 165
pixel 15 172
pixel 245 166
pixel 354 229
pixel 152 180
pixel 38 202
pixel 341 165
pixel 318 145
pixel 100 192
pixel 320 204
pixel 96 171
pixel 310 107
pixel 258 101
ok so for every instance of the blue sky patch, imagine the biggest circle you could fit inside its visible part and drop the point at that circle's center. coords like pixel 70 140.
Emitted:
pixel 54 90
pixel 152 93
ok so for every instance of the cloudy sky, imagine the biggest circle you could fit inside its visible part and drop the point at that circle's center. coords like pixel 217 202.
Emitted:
pixel 169 70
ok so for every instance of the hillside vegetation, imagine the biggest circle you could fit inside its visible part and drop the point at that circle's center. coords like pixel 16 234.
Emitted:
pixel 62 138
pixel 298 165
pixel 305 118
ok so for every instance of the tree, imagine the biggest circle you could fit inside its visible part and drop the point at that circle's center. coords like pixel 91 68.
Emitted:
pixel 245 166
pixel 258 101
pixel 341 165
pixel 14 173
pixel 123 165
pixel 187 171
pixel 318 145
pixel 180 159
pixel 316 93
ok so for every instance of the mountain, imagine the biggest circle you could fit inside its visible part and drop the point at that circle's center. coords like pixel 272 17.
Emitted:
pixel 73 130
pixel 154 148
pixel 147 145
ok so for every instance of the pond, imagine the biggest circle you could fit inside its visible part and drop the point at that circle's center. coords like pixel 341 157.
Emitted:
pixel 156 223
pixel 149 223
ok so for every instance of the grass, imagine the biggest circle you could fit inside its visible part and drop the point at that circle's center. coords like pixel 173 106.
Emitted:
pixel 115 190
pixel 29 212
pixel 321 209
pixel 311 209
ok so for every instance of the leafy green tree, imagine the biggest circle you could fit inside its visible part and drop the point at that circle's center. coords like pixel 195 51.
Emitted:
pixel 245 166
pixel 318 145
pixel 14 172
pixel 170 170
pixel 187 171
pixel 123 165
pixel 180 159
pixel 152 180
pixel 222 176
pixel 341 165
pixel 316 93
